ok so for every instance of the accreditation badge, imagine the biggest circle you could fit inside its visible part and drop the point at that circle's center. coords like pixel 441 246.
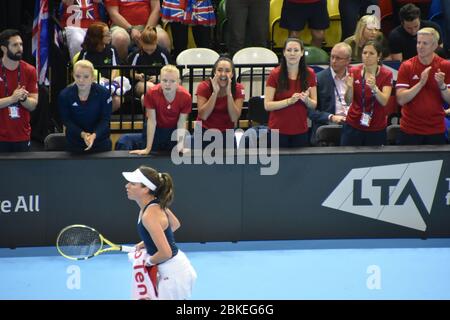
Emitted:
pixel 14 111
pixel 365 119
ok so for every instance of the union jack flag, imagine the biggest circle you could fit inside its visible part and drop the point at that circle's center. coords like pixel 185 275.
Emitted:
pixel 82 10
pixel 195 12
pixel 40 39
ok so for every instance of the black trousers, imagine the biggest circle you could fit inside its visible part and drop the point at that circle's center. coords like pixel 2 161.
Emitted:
pixel 202 36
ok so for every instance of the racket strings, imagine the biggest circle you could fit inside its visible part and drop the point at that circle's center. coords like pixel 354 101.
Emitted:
pixel 79 242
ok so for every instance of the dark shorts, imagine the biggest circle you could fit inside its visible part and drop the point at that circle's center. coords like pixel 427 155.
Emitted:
pixel 294 16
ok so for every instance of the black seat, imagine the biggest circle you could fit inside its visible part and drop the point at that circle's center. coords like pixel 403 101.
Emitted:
pixel 329 135
pixel 391 133
pixel 258 118
pixel 55 142
pixel 256 112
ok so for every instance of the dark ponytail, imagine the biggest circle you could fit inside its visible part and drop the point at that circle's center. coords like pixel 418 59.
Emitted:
pixel 164 185
pixel 165 190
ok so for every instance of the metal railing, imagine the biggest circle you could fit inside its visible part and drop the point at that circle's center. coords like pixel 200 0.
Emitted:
pixel 131 112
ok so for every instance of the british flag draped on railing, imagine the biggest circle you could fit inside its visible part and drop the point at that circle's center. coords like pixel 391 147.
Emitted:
pixel 40 41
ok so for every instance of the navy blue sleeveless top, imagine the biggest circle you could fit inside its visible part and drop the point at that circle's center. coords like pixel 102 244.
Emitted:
pixel 145 236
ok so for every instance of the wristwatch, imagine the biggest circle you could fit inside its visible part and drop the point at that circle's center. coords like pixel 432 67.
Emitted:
pixel 129 29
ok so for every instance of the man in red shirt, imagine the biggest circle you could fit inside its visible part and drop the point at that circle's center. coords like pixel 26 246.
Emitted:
pixel 422 89
pixel 18 94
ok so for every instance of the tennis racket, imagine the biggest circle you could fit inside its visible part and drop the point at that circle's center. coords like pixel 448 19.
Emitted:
pixel 80 242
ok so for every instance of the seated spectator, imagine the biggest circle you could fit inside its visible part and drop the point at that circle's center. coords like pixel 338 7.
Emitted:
pixel 129 19
pixel 290 92
pixel 350 12
pixel 367 29
pixel 220 99
pixel 149 53
pixel 331 105
pixel 98 50
pixel 85 110
pixel 76 17
pixel 403 39
pixel 368 90
pixel 296 13
pixel 424 6
pixel 181 14
pixel 422 89
pixel 167 106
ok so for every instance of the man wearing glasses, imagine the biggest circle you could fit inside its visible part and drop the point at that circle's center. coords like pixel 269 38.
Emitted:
pixel 331 105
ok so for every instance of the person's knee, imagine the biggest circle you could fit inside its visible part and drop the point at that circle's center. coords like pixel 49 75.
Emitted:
pixel 164 39
pixel 318 34
pixel 115 103
pixel 125 142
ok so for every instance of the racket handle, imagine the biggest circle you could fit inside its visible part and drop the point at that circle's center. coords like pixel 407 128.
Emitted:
pixel 127 248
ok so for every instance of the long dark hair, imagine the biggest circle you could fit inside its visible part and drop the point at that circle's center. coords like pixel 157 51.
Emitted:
pixel 302 75
pixel 233 69
pixel 164 185
pixel 93 41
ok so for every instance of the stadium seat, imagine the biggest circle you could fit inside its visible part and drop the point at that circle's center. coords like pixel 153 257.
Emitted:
pixel 387 17
pixel 277 34
pixel 55 142
pixel 196 56
pixel 334 32
pixel 391 133
pixel 258 118
pixel 329 135
pixel 316 55
pixel 254 55
pixel 257 114
pixel 333 9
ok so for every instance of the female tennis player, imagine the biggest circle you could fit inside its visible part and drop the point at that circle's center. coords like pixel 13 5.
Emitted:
pixel 153 192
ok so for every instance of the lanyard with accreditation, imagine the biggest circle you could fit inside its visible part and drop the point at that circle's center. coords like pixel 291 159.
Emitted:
pixel 14 108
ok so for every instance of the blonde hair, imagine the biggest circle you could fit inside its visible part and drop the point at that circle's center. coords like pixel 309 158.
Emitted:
pixel 84 64
pixel 169 68
pixel 431 32
pixel 370 21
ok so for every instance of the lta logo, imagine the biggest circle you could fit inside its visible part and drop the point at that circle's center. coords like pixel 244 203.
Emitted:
pixel 401 194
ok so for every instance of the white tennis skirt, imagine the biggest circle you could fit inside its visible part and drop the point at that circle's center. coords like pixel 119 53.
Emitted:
pixel 176 278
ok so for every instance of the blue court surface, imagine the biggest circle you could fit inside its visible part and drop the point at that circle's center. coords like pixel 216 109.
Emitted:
pixel 266 270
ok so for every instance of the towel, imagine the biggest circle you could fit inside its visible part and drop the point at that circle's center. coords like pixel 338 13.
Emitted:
pixel 144 282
